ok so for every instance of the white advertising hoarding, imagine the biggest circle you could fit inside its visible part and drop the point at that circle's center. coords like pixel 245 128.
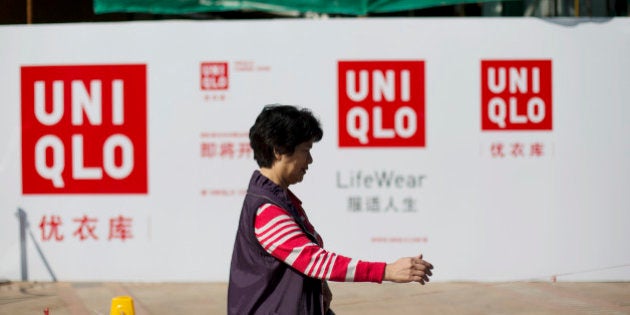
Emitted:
pixel 496 147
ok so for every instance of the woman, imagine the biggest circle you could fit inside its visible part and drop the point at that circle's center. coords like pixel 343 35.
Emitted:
pixel 279 265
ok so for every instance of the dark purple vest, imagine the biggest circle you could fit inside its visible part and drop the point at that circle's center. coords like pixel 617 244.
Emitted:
pixel 259 283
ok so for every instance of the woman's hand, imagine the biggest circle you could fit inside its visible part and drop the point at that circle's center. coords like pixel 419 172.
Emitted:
pixel 408 269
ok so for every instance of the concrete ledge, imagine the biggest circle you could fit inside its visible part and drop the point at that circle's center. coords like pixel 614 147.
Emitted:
pixel 349 298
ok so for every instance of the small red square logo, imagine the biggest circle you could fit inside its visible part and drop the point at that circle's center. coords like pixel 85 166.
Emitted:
pixel 214 76
pixel 84 129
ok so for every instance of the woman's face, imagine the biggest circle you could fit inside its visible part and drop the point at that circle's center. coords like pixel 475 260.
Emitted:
pixel 290 169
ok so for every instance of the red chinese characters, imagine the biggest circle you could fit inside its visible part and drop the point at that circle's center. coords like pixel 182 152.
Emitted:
pixel 85 228
pixel 226 150
pixel 517 149
pixel 49 227
pixel 381 103
pixel 225 145
pixel 84 129
pixel 120 228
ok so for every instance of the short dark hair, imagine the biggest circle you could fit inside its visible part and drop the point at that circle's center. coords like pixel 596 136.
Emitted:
pixel 282 128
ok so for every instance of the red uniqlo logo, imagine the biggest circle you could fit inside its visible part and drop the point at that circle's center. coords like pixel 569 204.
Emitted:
pixel 516 95
pixel 84 129
pixel 214 76
pixel 381 104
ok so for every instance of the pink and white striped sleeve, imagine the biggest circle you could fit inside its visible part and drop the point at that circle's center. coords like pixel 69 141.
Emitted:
pixel 282 237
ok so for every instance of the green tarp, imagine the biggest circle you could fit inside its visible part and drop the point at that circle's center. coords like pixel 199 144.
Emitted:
pixel 350 7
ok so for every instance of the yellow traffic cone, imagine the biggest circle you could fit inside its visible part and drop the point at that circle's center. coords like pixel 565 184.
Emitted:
pixel 122 305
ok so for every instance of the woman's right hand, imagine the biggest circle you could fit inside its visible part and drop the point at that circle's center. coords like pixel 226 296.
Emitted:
pixel 408 269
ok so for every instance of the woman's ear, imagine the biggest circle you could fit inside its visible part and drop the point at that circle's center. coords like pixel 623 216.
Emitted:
pixel 276 154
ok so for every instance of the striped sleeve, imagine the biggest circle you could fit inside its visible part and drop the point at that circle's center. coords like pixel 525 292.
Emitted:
pixel 282 237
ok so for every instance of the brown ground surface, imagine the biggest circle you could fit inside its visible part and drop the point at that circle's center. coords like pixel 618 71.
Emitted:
pixel 349 298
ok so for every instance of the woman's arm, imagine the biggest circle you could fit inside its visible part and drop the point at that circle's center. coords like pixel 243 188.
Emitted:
pixel 282 237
